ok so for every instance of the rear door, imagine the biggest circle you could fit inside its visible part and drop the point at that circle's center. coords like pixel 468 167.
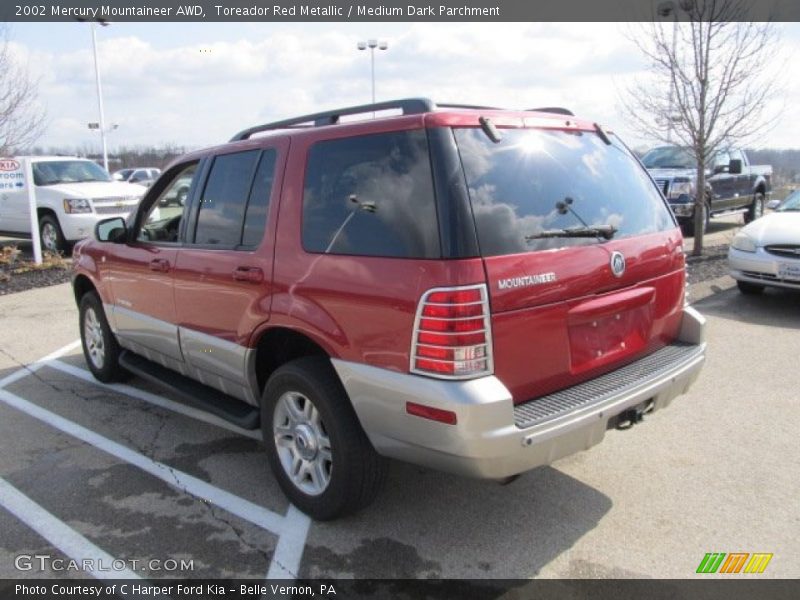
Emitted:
pixel 223 271
pixel 566 308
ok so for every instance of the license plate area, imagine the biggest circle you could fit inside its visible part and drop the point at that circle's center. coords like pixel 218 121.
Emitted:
pixel 607 330
pixel 789 271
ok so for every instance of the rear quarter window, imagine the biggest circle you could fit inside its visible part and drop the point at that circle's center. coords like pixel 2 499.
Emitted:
pixel 514 187
pixel 371 195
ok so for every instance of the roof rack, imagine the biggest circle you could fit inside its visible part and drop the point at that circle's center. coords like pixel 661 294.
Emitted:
pixel 409 106
pixel 554 109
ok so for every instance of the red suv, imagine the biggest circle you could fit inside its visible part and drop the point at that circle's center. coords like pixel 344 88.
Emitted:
pixel 475 290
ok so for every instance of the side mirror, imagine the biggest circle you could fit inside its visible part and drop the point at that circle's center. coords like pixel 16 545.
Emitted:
pixel 111 230
pixel 735 166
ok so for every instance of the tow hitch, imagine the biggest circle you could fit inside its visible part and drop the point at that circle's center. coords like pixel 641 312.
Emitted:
pixel 628 418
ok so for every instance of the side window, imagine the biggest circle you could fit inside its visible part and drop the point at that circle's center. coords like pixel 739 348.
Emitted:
pixel 163 220
pixel 722 159
pixel 371 195
pixel 224 200
pixel 255 218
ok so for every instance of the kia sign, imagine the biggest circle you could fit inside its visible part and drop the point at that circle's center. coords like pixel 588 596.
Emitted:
pixel 9 164
pixel 12 176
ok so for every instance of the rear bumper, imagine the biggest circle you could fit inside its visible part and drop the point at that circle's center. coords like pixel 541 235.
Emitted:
pixel 493 438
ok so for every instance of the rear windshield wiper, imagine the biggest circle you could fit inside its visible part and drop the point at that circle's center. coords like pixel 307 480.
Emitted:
pixel 602 231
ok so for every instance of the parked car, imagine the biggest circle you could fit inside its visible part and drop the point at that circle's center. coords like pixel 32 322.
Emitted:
pixel 461 288
pixel 177 194
pixel 733 185
pixel 72 195
pixel 142 176
pixel 122 174
pixel 766 253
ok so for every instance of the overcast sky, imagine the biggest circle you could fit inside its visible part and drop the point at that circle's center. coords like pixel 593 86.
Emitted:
pixel 197 84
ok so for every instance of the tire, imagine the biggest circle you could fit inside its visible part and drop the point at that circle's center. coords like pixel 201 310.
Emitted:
pixel 100 347
pixel 317 450
pixel 749 289
pixel 756 209
pixel 51 236
pixel 688 226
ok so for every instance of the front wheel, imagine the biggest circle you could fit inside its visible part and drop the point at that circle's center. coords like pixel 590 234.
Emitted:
pixel 756 210
pixel 51 236
pixel 688 227
pixel 100 347
pixel 316 448
pixel 749 289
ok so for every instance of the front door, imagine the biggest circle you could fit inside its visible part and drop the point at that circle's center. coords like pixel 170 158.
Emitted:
pixel 723 184
pixel 141 275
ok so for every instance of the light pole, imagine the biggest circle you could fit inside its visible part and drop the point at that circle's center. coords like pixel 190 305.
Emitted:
pixel 100 93
pixel 372 44
pixel 666 9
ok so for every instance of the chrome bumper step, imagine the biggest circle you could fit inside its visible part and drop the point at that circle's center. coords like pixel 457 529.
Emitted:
pixel 585 395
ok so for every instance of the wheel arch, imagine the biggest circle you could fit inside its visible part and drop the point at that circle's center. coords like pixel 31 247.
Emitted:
pixel 44 210
pixel 82 285
pixel 275 346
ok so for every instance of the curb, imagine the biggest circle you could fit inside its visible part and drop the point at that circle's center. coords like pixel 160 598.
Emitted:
pixel 703 289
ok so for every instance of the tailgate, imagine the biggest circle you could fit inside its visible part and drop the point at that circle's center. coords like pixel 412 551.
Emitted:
pixel 561 317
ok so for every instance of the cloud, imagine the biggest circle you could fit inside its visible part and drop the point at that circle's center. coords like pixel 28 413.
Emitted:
pixel 202 88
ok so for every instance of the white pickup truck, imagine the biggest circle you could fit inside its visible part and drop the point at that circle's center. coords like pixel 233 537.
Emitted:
pixel 72 194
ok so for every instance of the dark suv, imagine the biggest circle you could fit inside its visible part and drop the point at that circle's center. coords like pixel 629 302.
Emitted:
pixel 476 290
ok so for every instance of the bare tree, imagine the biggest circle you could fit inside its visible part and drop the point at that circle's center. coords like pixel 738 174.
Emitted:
pixel 708 83
pixel 22 119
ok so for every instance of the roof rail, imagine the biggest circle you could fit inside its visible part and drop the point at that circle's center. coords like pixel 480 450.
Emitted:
pixel 409 106
pixel 553 109
pixel 468 106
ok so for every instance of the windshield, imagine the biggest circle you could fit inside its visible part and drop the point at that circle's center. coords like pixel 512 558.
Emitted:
pixel 791 203
pixel 535 182
pixel 669 157
pixel 52 172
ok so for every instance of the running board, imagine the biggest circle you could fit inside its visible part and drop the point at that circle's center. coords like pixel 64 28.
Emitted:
pixel 217 403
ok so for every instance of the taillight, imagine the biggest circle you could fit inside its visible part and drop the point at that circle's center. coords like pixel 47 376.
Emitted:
pixel 452 336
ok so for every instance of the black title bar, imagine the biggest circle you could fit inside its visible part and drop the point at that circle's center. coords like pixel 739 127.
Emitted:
pixel 366 11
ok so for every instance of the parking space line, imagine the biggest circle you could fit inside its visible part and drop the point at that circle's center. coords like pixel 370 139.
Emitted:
pixel 258 515
pixel 35 366
pixel 151 398
pixel 291 529
pixel 61 535
pixel 289 551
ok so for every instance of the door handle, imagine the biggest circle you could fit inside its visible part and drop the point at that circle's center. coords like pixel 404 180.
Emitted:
pixel 159 264
pixel 250 274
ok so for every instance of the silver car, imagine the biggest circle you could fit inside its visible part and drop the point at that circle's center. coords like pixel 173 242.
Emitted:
pixel 767 251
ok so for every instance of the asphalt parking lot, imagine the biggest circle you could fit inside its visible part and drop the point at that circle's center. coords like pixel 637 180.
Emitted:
pixel 126 472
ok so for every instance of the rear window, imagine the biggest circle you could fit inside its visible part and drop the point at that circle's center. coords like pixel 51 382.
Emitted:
pixel 515 185
pixel 372 196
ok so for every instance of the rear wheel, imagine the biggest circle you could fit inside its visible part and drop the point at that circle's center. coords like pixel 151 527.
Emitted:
pixel 749 289
pixel 100 347
pixel 317 450
pixel 756 210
